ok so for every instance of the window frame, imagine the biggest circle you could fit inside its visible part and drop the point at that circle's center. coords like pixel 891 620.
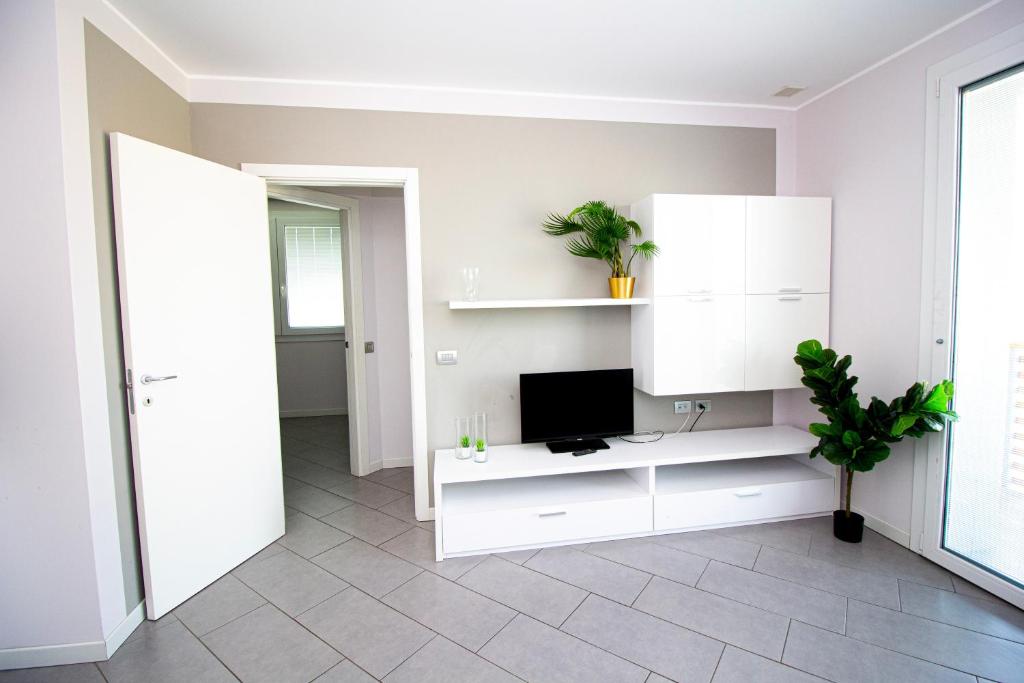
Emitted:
pixel 283 330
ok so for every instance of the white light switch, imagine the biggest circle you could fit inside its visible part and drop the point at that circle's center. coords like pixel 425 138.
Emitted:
pixel 447 357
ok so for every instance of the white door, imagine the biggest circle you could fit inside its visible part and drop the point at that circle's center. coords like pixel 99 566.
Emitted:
pixel 788 244
pixel 704 235
pixel 775 325
pixel 974 502
pixel 197 318
pixel 698 344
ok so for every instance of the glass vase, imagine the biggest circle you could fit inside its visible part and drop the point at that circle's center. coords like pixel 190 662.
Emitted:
pixel 463 438
pixel 480 437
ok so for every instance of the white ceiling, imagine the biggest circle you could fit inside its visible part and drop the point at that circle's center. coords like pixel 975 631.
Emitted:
pixel 729 51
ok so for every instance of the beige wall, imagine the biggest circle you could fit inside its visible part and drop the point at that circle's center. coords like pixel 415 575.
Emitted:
pixel 123 97
pixel 486 183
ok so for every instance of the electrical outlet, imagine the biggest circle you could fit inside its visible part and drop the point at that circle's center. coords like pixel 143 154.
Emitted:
pixel 703 405
pixel 447 357
pixel 682 407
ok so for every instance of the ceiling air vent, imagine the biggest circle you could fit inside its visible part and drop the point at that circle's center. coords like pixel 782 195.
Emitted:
pixel 788 91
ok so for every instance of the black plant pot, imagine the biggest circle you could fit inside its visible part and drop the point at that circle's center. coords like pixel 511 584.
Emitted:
pixel 849 529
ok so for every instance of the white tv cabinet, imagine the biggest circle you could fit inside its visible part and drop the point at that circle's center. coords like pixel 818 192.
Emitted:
pixel 527 497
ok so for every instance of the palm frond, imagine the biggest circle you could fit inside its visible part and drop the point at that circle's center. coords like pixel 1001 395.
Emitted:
pixel 646 249
pixel 558 225
pixel 599 232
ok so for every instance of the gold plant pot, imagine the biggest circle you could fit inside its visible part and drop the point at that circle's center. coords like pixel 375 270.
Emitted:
pixel 621 287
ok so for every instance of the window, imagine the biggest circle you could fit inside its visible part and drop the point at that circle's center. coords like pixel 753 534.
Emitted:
pixel 311 287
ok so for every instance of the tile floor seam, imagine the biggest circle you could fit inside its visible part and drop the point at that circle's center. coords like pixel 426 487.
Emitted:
pixel 823 590
pixel 846 615
pixel 574 609
pixel 907 654
pixel 785 641
pixel 212 653
pixel 649 579
pixel 415 576
pixel 584 588
pixel 629 566
pixel 233 619
pixel 493 663
pixel 940 623
pixel 721 656
pixel 102 675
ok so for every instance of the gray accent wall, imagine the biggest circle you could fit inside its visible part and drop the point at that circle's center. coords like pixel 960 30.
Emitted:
pixel 123 97
pixel 486 183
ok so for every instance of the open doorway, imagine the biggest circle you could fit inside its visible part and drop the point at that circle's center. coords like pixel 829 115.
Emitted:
pixel 342 339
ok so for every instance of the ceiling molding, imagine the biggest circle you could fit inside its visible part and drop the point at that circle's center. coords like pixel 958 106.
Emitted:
pixel 899 53
pixel 385 97
pixel 116 26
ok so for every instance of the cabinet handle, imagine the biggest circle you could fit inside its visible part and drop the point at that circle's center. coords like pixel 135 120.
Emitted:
pixel 702 300
pixel 790 298
pixel 746 493
pixel 698 291
pixel 790 289
pixel 552 514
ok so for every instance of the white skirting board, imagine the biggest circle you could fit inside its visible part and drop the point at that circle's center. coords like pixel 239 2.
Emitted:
pixel 397 462
pixel 73 653
pixel 315 412
pixel 886 529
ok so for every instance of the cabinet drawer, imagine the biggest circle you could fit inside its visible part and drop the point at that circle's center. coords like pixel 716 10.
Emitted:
pixel 550 524
pixel 743 504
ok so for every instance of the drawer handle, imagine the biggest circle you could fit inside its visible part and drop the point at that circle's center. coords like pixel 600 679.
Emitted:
pixel 698 291
pixel 790 298
pixel 702 300
pixel 790 289
pixel 746 493
pixel 553 514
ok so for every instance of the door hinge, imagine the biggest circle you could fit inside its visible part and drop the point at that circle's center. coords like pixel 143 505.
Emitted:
pixel 938 86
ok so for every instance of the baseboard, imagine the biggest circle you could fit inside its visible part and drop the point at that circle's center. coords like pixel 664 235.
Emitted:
pixel 397 462
pixel 73 653
pixel 52 655
pixel 125 628
pixel 316 412
pixel 884 528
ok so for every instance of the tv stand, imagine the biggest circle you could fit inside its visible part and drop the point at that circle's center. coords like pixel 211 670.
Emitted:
pixel 570 445
pixel 524 496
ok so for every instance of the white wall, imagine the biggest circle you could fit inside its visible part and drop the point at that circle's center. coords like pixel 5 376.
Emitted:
pixel 863 145
pixel 48 575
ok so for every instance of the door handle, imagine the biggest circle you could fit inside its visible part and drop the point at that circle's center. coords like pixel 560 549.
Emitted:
pixel 790 289
pixel 790 298
pixel 698 291
pixel 149 379
pixel 552 514
pixel 746 493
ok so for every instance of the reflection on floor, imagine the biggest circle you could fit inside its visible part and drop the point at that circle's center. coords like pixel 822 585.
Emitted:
pixel 351 593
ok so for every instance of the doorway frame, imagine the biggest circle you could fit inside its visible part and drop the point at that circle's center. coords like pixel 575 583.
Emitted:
pixel 408 180
pixel 937 282
pixel 355 332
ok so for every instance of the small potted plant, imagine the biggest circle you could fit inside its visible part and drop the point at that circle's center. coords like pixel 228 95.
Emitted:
pixel 598 232
pixel 481 451
pixel 856 438
pixel 463 443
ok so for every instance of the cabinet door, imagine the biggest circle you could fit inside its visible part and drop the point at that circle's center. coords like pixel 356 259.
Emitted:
pixel 788 244
pixel 701 239
pixel 775 325
pixel 698 344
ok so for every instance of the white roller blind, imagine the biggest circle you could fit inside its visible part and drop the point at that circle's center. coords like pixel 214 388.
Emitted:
pixel 313 277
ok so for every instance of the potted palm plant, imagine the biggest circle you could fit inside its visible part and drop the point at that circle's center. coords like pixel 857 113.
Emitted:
pixel 856 438
pixel 598 232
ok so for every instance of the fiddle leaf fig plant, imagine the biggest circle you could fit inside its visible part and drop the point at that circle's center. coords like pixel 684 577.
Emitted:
pixel 857 438
pixel 598 232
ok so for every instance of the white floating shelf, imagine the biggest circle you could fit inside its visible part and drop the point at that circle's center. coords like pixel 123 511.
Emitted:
pixel 545 303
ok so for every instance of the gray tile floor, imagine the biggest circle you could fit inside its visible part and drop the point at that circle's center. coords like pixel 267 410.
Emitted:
pixel 352 593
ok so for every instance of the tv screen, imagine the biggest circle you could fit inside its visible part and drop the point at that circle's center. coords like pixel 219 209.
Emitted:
pixel 558 406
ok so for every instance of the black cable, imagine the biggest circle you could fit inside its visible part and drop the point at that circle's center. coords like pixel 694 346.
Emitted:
pixel 703 410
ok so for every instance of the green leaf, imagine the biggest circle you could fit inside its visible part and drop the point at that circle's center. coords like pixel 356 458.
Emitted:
pixel 939 398
pixel 810 349
pixel 819 429
pixel 902 424
pixel 851 439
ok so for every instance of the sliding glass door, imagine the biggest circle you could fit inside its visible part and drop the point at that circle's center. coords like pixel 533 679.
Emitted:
pixel 977 482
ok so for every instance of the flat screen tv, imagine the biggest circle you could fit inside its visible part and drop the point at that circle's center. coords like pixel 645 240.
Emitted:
pixel 572 411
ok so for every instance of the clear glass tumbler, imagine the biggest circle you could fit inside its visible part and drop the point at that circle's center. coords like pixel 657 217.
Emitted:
pixel 480 437
pixel 471 283
pixel 463 438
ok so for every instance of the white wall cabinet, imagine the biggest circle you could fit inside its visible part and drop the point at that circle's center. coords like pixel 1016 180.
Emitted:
pixel 776 323
pixel 697 340
pixel 789 244
pixel 703 234
pixel 739 283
